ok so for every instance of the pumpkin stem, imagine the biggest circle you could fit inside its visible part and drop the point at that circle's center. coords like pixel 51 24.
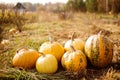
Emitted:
pixel 42 53
pixel 100 32
pixel 72 38
pixel 71 46
pixel 50 38
pixel 73 35
pixel 21 48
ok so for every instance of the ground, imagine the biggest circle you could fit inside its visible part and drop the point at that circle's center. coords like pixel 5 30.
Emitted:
pixel 34 34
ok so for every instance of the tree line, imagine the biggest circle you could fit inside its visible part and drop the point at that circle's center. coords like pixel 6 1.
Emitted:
pixel 101 6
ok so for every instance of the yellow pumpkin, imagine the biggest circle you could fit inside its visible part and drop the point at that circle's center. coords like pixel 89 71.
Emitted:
pixel 78 44
pixel 74 61
pixel 47 63
pixel 25 58
pixel 53 48
pixel 99 50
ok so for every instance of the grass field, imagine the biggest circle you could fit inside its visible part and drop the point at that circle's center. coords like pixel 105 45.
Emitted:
pixel 34 34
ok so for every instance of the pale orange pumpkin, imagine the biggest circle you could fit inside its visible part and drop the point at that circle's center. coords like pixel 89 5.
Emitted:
pixel 77 43
pixel 53 48
pixel 99 50
pixel 25 58
pixel 74 61
pixel 47 63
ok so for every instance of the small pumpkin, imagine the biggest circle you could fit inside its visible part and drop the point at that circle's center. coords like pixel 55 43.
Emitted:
pixel 74 61
pixel 78 44
pixel 54 48
pixel 99 50
pixel 13 31
pixel 25 58
pixel 47 63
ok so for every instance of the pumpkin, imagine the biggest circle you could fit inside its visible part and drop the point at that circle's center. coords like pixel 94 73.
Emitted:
pixel 53 48
pixel 47 63
pixel 13 31
pixel 99 50
pixel 78 44
pixel 74 61
pixel 25 58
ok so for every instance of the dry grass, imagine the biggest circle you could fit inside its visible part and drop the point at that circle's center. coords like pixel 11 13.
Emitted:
pixel 34 34
pixel 111 75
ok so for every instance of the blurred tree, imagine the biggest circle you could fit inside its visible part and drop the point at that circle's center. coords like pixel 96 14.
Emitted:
pixel 76 5
pixel 91 5
pixel 101 7
pixel 112 6
pixel 115 7
pixel 3 8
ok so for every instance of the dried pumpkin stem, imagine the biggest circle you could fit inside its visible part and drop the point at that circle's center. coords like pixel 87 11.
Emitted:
pixel 50 39
pixel 72 38
pixel 21 48
pixel 73 35
pixel 42 53
pixel 100 32
pixel 71 46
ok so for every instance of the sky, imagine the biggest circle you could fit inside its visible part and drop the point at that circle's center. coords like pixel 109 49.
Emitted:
pixel 33 1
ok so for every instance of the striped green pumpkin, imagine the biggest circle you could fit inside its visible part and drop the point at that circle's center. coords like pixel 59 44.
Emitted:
pixel 99 50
